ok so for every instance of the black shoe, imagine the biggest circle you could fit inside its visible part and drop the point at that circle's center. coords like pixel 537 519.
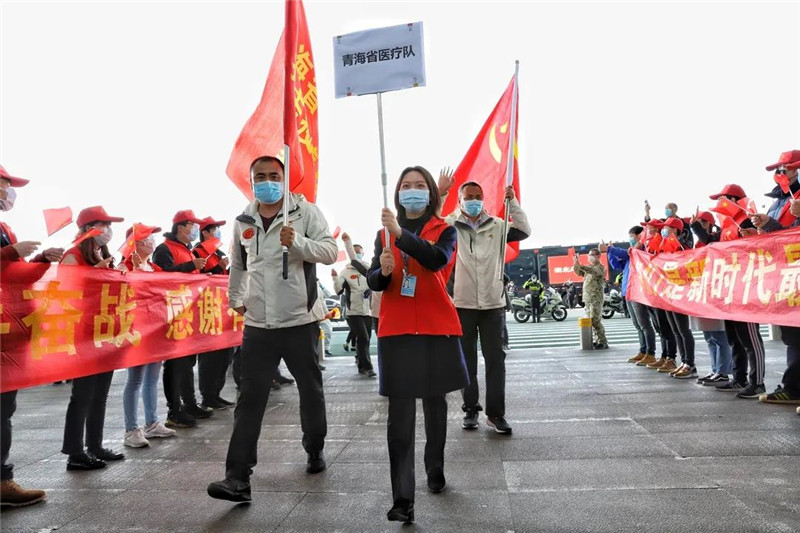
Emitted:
pixel 283 380
pixel 222 400
pixel 106 454
pixel 180 420
pixel 436 481
pixel 215 405
pixel 601 346
pixel 321 367
pixel 275 385
pixel 229 489
pixel 403 511
pixel 499 424
pixel 346 347
pixel 506 347
pixel 731 386
pixel 752 392
pixel 370 373
pixel 316 463
pixel 470 419
pixel 328 353
pixel 84 461
pixel 197 412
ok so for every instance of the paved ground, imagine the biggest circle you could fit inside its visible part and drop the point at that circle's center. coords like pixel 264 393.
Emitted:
pixel 599 445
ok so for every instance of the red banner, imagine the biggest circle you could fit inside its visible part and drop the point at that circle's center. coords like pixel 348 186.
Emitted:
pixel 756 279
pixel 63 322
pixel 559 268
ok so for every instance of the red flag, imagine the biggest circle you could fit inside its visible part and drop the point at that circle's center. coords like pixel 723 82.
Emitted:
pixel 336 232
pixel 731 209
pixel 341 256
pixel 486 163
pixel 93 232
pixel 211 245
pixel 57 219
pixel 670 244
pixel 300 129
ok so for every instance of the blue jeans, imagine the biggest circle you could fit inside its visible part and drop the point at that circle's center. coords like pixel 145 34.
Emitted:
pixel 720 351
pixel 144 378
pixel 643 322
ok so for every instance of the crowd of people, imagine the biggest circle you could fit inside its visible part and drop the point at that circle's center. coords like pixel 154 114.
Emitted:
pixel 427 335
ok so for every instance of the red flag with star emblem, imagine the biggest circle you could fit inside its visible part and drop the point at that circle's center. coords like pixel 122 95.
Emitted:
pixel 486 163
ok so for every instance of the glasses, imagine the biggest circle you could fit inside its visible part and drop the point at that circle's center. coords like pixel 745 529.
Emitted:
pixel 781 170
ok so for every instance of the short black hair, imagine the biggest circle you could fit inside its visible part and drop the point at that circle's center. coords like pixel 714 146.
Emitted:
pixel 211 227
pixel 179 225
pixel 469 184
pixel 636 230
pixel 265 159
pixel 594 251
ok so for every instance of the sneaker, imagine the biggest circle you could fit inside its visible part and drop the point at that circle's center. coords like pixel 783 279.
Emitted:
pixel 215 405
pixel 12 495
pixel 716 379
pixel 283 380
pixel 600 346
pixel 706 378
pixel 638 357
pixel 316 463
pixel 135 439
pixel 157 430
pixel 752 392
pixel 646 360
pixel 346 347
pixel 328 353
pixel 730 386
pixel 371 373
pixel 231 490
pixel 499 424
pixel 780 396
pixel 685 372
pixel 668 366
pixel 180 420
pixel 107 454
pixel 470 419
pixel 798 410
pixel 197 412
pixel 84 461
pixel 656 364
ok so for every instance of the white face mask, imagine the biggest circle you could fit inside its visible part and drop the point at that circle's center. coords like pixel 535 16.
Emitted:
pixel 593 259
pixel 147 246
pixel 7 203
pixel 105 237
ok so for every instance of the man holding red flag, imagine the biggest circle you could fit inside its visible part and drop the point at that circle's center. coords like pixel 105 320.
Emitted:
pixel 479 295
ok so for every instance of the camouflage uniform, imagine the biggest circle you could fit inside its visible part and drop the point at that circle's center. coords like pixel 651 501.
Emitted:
pixel 594 280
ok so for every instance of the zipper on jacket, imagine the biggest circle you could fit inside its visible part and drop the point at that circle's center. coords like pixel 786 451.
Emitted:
pixel 257 239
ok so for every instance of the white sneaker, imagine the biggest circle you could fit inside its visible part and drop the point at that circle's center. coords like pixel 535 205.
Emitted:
pixel 158 430
pixel 798 410
pixel 135 439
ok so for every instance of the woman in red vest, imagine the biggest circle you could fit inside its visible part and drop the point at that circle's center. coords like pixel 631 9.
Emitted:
pixel 87 404
pixel 419 350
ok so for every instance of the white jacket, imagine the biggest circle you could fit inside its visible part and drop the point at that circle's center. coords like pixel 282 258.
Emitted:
pixel 358 304
pixel 256 280
pixel 478 284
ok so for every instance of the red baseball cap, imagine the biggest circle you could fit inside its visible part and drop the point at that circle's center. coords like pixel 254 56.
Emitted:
pixel 730 190
pixel 95 214
pixel 15 182
pixel 789 159
pixel 142 231
pixel 674 222
pixel 208 221
pixel 187 215
pixel 706 216
pixel 656 223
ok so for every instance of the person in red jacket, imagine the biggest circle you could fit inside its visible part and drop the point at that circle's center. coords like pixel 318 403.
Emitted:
pixel 419 349
pixel 175 255
pixel 11 494
pixel 212 366
pixel 86 411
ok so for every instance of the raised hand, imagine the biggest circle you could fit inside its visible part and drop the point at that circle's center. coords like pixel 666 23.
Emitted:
pixel 445 180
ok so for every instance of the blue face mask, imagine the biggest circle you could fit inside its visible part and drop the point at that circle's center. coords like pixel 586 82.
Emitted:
pixel 633 241
pixel 268 192
pixel 218 234
pixel 668 212
pixel 415 200
pixel 472 208
pixel 665 233
pixel 194 234
pixel 359 256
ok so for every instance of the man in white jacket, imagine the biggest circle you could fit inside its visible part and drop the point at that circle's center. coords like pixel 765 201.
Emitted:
pixel 352 282
pixel 280 318
pixel 478 294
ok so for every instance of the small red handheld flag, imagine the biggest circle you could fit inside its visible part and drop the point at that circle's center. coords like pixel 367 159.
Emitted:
pixel 93 232
pixel 211 245
pixel 336 232
pixel 57 219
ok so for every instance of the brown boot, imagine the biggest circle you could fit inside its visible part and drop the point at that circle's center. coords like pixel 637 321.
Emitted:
pixel 12 495
pixel 658 364
pixel 636 358
pixel 646 361
pixel 668 367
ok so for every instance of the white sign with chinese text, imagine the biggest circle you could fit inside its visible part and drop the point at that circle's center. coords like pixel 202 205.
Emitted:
pixel 379 60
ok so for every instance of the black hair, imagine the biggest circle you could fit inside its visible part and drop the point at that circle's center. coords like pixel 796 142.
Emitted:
pixel 435 197
pixel 636 230
pixel 265 159
pixel 86 247
pixel 594 251
pixel 210 227
pixel 178 225
pixel 469 184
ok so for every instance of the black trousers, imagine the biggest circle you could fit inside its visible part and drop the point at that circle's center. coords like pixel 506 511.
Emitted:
pixel 791 378
pixel 261 353
pixel 536 308
pixel 211 370
pixel 748 349
pixel 179 382
pixel 400 433
pixel 8 404
pixel 679 323
pixel 669 346
pixel 375 323
pixel 86 412
pixel 489 323
pixel 361 328
pixel 236 366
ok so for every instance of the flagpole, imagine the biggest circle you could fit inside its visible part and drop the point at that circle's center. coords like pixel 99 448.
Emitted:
pixel 286 178
pixel 383 163
pixel 509 172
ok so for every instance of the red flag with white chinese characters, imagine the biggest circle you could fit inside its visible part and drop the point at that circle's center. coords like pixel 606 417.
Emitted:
pixel 486 163
pixel 300 128
pixel 57 219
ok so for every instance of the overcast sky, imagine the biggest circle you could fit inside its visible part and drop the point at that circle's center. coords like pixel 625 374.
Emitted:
pixel 137 105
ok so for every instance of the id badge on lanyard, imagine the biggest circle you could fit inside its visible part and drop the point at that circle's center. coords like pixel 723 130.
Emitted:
pixel 409 286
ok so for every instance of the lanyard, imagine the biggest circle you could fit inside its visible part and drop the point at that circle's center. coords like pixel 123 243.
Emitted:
pixel 405 255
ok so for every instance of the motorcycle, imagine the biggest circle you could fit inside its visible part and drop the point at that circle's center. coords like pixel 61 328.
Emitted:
pixel 613 303
pixel 551 304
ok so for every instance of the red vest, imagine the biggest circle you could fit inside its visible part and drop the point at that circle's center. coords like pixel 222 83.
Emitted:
pixel 785 218
pixel 76 253
pixel 180 253
pixel 211 262
pixel 430 311
pixel 11 237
